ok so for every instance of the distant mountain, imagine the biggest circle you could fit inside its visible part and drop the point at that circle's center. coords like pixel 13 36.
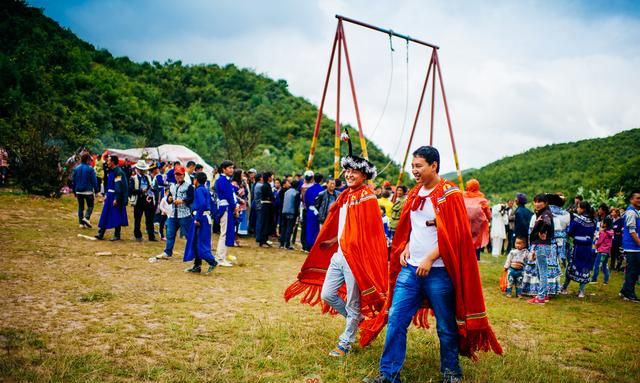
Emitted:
pixel 61 92
pixel 453 176
pixel 596 164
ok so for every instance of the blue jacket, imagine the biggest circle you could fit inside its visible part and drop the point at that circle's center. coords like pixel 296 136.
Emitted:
pixel 84 179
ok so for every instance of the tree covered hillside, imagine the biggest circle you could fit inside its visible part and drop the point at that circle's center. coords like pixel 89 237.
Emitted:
pixel 596 164
pixel 58 92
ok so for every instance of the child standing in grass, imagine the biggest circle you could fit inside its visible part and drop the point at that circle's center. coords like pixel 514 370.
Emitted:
pixel 515 266
pixel 603 249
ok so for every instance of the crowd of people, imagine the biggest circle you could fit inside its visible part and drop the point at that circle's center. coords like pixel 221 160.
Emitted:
pixel 551 246
pixel 377 255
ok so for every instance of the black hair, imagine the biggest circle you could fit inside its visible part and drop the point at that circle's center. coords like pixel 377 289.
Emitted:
pixel 383 210
pixel 199 167
pixel 295 183
pixel 318 178
pixel 607 222
pixel 578 196
pixel 604 208
pixel 201 177
pixel 223 165
pixel 430 154
pixel 298 174
pixel 404 188
pixel 190 163
pixel 85 158
pixel 386 194
pixel 523 238
pixel 634 191
pixel 177 163
pixel 161 164
pixel 266 176
pixel 237 176
pixel 587 208
pixel 377 187
pixel 114 159
pixel 542 197
pixel 338 182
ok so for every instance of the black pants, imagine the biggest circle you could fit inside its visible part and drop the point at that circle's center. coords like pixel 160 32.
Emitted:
pixel 263 221
pixel 116 232
pixel 286 229
pixel 82 198
pixel 616 256
pixel 148 209
pixel 510 238
pixel 631 273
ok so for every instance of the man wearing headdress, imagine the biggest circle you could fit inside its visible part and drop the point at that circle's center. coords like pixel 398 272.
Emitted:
pixel 346 270
pixel 479 215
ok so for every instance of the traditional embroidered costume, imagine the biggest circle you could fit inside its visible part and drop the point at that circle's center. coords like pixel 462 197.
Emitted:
pixel 199 239
pixel 225 215
pixel 479 214
pixel 114 217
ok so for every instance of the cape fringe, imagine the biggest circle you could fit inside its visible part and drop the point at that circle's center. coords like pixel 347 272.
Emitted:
pixel 478 340
pixel 312 296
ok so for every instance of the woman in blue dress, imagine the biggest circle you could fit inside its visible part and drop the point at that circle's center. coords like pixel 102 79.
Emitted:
pixel 581 260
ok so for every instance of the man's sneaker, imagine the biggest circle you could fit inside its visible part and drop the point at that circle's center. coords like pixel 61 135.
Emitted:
pixel 193 269
pixel 630 299
pixel 114 239
pixel 153 260
pixel 163 256
pixel 339 352
pixel 81 226
pixel 536 300
pixel 211 268
pixel 581 294
pixel 139 239
pixel 225 263
pixel 377 379
pixel 99 237
pixel 593 283
pixel 86 222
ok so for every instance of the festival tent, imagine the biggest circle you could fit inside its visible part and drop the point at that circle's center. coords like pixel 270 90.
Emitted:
pixel 166 153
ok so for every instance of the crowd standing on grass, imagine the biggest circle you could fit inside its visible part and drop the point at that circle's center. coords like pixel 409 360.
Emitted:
pixel 428 263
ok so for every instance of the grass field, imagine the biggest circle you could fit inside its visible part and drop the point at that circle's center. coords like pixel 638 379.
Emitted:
pixel 74 310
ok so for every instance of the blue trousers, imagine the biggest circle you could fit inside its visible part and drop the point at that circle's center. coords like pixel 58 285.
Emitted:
pixel 601 259
pixel 408 295
pixel 173 224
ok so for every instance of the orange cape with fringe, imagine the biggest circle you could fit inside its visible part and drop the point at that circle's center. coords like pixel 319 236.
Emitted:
pixel 365 249
pixel 458 254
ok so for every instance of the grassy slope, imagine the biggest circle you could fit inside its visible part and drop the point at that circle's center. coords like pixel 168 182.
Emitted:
pixel 71 315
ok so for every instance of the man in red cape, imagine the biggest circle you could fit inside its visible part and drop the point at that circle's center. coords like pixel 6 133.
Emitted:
pixel 433 268
pixel 347 268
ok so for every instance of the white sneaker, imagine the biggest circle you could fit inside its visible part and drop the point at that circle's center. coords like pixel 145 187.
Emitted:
pixel 225 264
pixel 163 256
pixel 581 294
pixel 81 226
pixel 153 260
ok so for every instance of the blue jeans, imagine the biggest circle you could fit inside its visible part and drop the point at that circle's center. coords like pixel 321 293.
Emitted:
pixel 408 295
pixel 338 273
pixel 543 272
pixel 601 258
pixel 184 224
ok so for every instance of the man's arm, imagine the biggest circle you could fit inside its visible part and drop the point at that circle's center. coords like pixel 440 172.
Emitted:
pixel 630 223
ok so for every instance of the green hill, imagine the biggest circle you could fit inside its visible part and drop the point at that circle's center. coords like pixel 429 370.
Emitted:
pixel 58 92
pixel 611 163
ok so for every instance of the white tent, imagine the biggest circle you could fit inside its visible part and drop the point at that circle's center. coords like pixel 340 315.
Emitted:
pixel 166 153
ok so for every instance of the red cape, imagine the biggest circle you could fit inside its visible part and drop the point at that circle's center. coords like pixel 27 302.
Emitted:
pixel 364 246
pixel 458 254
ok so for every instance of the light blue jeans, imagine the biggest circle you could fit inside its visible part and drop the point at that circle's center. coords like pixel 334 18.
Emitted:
pixel 543 271
pixel 338 273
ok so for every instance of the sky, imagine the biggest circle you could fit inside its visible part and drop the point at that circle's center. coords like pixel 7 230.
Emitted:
pixel 517 74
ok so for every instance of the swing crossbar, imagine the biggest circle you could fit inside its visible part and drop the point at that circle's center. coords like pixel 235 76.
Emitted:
pixel 386 31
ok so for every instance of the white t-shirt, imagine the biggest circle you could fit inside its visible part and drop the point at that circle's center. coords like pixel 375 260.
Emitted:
pixel 423 238
pixel 342 219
